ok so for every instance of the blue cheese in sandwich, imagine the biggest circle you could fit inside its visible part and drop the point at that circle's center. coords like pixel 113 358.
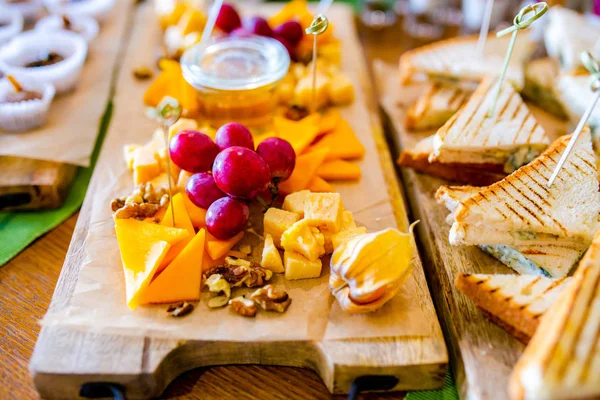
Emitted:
pixel 512 137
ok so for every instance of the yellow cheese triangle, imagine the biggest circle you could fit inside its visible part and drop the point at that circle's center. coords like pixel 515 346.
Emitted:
pixel 304 172
pixel 329 120
pixel 320 185
pixel 182 221
pixel 197 214
pixel 300 134
pixel 141 255
pixel 339 170
pixel 218 248
pixel 342 143
pixel 151 230
pixel 182 279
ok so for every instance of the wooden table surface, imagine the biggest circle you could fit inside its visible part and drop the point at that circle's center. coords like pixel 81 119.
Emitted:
pixel 27 283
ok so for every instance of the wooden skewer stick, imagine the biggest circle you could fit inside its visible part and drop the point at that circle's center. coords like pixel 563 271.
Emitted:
pixel 212 20
pixel 591 65
pixel 520 22
pixel 15 84
pixel 324 6
pixel 316 28
pixel 167 113
pixel 485 27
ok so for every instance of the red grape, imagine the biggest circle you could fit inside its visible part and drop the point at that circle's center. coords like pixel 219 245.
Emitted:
pixel 193 151
pixel 241 33
pixel 291 30
pixel 258 26
pixel 240 172
pixel 234 134
pixel 202 190
pixel 228 18
pixel 227 217
pixel 279 155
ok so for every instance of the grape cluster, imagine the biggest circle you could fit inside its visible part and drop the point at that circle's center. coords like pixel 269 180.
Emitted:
pixel 229 173
pixel 289 33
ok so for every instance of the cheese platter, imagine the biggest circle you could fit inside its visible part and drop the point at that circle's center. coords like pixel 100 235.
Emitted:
pixel 140 334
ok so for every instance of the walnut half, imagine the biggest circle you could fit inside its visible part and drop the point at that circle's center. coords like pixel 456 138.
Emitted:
pixel 243 306
pixel 144 202
pixel 240 272
pixel 216 284
pixel 271 299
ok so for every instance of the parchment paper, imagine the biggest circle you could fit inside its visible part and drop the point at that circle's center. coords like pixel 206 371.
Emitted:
pixel 70 133
pixel 98 302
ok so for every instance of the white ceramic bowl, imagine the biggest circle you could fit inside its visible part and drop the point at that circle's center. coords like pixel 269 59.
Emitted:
pixel 97 9
pixel 26 48
pixel 12 22
pixel 30 9
pixel 24 115
pixel 87 27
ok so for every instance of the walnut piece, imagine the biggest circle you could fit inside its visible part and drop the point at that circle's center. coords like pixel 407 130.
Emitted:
pixel 144 202
pixel 217 284
pixel 181 309
pixel 142 73
pixel 238 272
pixel 271 299
pixel 243 306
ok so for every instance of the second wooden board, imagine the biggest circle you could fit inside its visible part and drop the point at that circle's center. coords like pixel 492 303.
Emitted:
pixel 144 364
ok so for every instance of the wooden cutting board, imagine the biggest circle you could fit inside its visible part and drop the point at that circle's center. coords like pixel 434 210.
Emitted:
pixel 65 358
pixel 482 353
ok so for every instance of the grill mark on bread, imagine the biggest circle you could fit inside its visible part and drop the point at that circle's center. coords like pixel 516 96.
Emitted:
pixel 539 196
pixel 524 207
pixel 517 109
pixel 586 162
pixel 593 350
pixel 533 129
pixel 519 130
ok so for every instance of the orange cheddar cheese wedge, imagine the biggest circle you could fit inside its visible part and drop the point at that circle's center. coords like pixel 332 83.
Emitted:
pixel 170 82
pixel 320 185
pixel 300 134
pixel 339 170
pixel 261 138
pixel 329 120
pixel 182 279
pixel 197 214
pixel 143 246
pixel 342 143
pixel 304 171
pixel 182 221
pixel 218 248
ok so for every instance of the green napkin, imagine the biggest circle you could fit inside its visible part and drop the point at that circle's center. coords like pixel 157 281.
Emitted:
pixel 19 229
pixel 448 392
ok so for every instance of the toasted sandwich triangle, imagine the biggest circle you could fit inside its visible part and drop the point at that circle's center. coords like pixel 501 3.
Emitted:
pixel 515 302
pixel 512 136
pixel 521 209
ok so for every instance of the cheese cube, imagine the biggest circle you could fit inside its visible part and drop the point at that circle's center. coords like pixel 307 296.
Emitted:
pixel 271 259
pixel 342 236
pixel 304 239
pixel 298 267
pixel 347 221
pixel 182 180
pixel 128 151
pixel 295 202
pixel 145 165
pixel 303 94
pixel 341 91
pixel 324 210
pixel 182 124
pixel 328 236
pixel 277 221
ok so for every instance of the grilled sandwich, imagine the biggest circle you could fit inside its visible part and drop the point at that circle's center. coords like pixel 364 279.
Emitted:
pixel 522 210
pixel 562 360
pixel 541 76
pixel 435 106
pixel 473 174
pixel 575 93
pixel 568 33
pixel 456 60
pixel 514 302
pixel 547 260
pixel 512 137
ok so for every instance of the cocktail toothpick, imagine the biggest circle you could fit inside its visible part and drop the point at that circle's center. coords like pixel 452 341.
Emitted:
pixel 591 65
pixel 211 21
pixel 520 22
pixel 485 27
pixel 167 113
pixel 324 6
pixel 316 28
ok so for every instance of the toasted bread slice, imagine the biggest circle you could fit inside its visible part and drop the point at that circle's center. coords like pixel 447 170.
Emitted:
pixel 549 260
pixel 435 106
pixel 562 360
pixel 541 75
pixel 575 93
pixel 454 60
pixel 515 302
pixel 512 137
pixel 521 209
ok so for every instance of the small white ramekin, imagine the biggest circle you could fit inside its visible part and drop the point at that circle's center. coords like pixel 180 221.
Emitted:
pixel 13 24
pixel 30 9
pixel 27 46
pixel 24 115
pixel 97 9
pixel 87 26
